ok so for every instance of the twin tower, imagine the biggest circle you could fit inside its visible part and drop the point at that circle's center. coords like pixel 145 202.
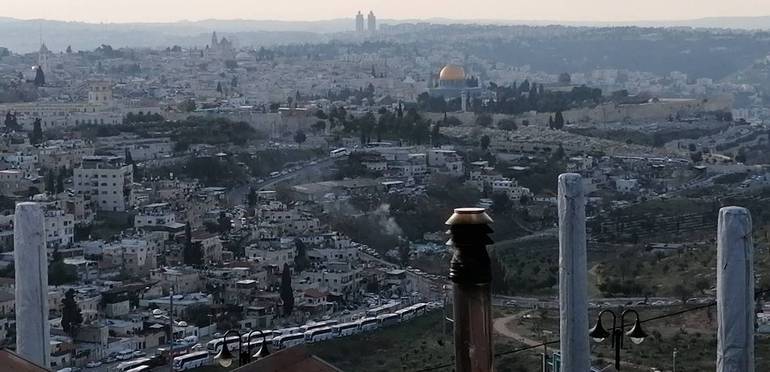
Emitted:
pixel 371 23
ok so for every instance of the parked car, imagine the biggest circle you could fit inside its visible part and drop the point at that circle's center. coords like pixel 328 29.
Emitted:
pixel 93 364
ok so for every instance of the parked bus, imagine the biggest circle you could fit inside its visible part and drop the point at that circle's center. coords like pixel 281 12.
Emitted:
pixel 256 336
pixel 347 329
pixel 387 320
pixel 288 331
pixel 190 361
pixel 327 323
pixel 369 324
pixel 339 152
pixel 384 309
pixel 419 309
pixel 319 334
pixel 405 314
pixel 282 342
pixel 140 369
pixel 126 366
pixel 215 346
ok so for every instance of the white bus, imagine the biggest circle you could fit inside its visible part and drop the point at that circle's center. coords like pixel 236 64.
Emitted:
pixel 406 313
pixel 419 309
pixel 369 324
pixel 339 152
pixel 384 309
pixel 347 329
pixel 215 346
pixel 319 334
pixel 287 331
pixel 140 369
pixel 327 323
pixel 126 366
pixel 256 336
pixel 282 342
pixel 387 320
pixel 190 361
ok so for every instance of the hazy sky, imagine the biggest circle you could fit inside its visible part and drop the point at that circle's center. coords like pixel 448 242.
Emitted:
pixel 566 10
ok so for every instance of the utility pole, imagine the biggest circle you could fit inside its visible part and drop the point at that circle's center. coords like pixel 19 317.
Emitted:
pixel 171 328
pixel 674 361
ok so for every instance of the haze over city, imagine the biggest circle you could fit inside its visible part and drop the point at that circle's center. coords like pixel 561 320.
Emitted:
pixel 381 186
pixel 308 10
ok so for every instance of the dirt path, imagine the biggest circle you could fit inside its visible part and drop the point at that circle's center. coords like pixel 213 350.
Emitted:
pixel 500 325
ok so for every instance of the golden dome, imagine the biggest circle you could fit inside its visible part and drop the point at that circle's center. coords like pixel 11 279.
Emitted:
pixel 452 72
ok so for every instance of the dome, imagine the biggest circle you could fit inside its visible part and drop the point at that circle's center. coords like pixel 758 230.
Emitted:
pixel 452 72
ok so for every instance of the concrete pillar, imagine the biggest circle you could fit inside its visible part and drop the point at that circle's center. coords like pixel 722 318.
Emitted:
pixel 573 269
pixel 735 291
pixel 31 263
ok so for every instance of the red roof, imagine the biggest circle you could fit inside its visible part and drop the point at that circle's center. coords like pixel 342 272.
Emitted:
pixel 293 359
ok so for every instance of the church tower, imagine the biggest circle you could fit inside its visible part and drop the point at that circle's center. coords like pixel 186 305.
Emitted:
pixel 42 60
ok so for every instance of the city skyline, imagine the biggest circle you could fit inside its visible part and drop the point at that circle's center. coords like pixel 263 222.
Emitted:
pixel 485 10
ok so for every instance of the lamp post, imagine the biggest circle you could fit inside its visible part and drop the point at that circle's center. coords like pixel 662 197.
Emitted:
pixel 225 357
pixel 636 334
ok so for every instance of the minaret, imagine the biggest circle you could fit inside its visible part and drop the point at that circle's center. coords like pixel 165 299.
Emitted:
pixel 42 60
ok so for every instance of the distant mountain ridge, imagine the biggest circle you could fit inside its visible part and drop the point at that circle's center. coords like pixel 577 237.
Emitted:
pixel 22 35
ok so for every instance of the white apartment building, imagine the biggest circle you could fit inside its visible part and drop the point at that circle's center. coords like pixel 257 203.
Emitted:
pixel 155 215
pixel 59 228
pixel 272 256
pixel 106 180
pixel 445 161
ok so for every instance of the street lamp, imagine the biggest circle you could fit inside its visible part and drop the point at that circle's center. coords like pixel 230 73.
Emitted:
pixel 263 348
pixel 225 358
pixel 636 334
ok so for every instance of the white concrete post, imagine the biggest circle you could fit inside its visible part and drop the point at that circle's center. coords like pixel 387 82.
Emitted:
pixel 735 291
pixel 31 263
pixel 573 270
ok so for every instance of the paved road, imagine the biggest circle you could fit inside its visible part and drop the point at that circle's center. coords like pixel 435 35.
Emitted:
pixel 237 195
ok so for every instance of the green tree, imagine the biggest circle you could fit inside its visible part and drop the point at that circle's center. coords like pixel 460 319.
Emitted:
pixel 200 315
pixel 435 134
pixel 60 273
pixel 50 182
pixel 187 105
pixel 39 77
pixel 60 177
pixel 300 137
pixel 558 121
pixel 507 124
pixel 128 158
pixel 11 122
pixel 251 197
pixel 191 253
pixel 404 254
pixel 301 260
pixel 484 120
pixel 484 142
pixel 71 316
pixel 36 136
pixel 287 293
